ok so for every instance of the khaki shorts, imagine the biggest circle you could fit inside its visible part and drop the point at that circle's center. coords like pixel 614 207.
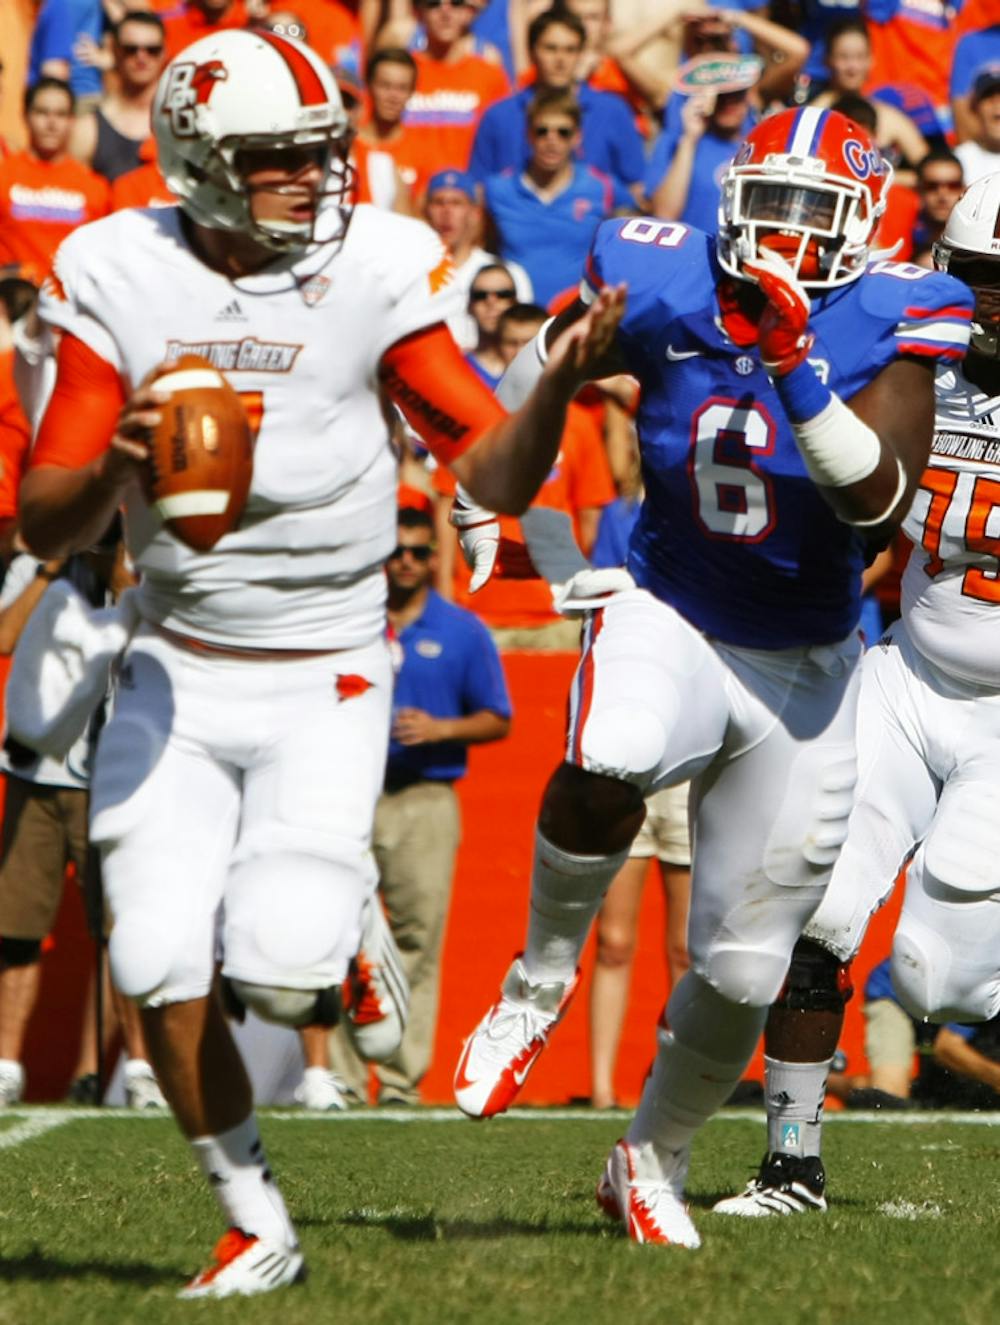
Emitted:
pixel 890 1040
pixel 665 834
pixel 43 829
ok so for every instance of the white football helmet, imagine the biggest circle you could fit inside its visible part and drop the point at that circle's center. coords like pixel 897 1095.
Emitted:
pixel 809 185
pixel 970 250
pixel 248 90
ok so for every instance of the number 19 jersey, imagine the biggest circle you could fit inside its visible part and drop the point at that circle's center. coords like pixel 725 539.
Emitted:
pixel 732 532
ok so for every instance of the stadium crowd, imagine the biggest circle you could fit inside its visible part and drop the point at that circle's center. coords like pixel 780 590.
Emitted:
pixel 512 128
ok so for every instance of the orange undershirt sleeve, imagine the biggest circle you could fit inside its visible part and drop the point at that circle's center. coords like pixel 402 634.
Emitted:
pixel 82 415
pixel 439 394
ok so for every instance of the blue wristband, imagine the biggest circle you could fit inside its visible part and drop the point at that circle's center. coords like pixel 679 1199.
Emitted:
pixel 802 393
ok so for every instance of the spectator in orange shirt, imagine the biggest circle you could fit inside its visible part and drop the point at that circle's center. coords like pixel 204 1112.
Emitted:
pixel 16 297
pixel 519 612
pixel 45 194
pixel 453 89
pixel 377 178
pixel 391 75
pixel 200 18
pixel 144 186
pixel 332 30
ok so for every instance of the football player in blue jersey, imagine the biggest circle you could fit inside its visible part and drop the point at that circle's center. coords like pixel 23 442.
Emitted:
pixel 786 416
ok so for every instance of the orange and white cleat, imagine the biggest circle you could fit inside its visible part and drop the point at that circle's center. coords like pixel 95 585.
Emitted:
pixel 376 992
pixel 503 1048
pixel 634 1190
pixel 243 1264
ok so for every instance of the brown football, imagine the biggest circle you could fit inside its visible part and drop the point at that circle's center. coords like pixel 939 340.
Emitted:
pixel 201 454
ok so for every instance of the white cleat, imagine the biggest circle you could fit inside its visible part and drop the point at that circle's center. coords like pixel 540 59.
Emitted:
pixel 785 1185
pixel 243 1265
pixel 321 1090
pixel 503 1048
pixel 650 1204
pixel 11 1082
pixel 142 1090
pixel 376 992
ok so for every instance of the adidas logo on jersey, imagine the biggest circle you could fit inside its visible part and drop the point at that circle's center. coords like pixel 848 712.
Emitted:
pixel 231 313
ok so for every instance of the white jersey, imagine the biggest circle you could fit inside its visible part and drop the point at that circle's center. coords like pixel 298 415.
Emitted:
pixel 951 586
pixel 301 342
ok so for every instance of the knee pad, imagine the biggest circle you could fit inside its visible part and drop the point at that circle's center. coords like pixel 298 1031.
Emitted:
pixel 155 959
pixel 816 981
pixel 292 923
pixel 934 983
pixel 19 952
pixel 624 742
pixel 750 977
pixel 284 1007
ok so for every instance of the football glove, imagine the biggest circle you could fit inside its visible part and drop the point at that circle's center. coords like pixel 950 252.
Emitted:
pixel 784 338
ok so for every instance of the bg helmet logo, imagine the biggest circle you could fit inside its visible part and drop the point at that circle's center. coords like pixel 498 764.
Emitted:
pixel 191 85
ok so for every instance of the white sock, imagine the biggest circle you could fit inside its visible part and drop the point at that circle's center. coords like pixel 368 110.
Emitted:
pixel 235 1165
pixel 686 1085
pixel 566 895
pixel 795 1095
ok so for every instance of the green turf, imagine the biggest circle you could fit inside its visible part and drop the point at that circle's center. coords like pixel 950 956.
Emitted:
pixel 411 1222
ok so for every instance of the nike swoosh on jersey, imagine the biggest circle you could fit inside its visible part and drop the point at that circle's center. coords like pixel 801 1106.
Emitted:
pixel 675 356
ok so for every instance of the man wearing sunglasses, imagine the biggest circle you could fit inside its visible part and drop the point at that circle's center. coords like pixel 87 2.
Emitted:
pixel 450 694
pixel 108 139
pixel 546 214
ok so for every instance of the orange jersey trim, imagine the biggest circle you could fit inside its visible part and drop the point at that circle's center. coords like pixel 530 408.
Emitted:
pixel 83 413
pixel 438 393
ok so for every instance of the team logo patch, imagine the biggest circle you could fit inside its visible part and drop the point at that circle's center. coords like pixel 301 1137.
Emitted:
pixel 313 288
pixel 744 365
pixel 350 684
pixel 581 208
pixel 429 648
pixel 789 1136
pixel 190 86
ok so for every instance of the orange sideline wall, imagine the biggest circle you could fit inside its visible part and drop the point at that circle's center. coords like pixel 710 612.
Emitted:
pixel 500 799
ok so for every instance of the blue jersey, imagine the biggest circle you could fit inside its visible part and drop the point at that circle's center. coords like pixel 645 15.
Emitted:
pixel 732 531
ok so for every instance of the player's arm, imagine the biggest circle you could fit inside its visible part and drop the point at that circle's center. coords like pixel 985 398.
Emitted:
pixel 89 450
pixel 866 455
pixel 502 460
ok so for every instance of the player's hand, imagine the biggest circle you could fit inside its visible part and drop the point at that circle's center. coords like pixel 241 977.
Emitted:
pixel 695 114
pixel 784 338
pixel 583 350
pixel 478 537
pixel 127 458
pixel 414 727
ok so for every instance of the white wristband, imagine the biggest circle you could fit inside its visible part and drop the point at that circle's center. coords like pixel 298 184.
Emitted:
pixel 838 449
pixel 525 369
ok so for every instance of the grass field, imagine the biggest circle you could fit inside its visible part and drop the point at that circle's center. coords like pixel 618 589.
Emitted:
pixel 425 1218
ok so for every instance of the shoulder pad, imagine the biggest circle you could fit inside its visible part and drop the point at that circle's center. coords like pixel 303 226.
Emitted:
pixel 930 311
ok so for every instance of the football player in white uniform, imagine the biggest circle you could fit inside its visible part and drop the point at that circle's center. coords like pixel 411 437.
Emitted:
pixel 928 758
pixel 235 785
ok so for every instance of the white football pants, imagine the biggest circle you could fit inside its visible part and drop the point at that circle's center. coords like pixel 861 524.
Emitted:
pixel 232 801
pixel 767 738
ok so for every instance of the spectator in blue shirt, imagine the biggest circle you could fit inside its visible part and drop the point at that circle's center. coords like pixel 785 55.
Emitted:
pixel 450 694
pixel 58 29
pixel 686 167
pixel 609 140
pixel 546 214
pixel 974 50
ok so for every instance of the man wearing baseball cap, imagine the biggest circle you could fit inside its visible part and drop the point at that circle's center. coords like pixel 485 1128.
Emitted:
pixel 981 155
pixel 453 210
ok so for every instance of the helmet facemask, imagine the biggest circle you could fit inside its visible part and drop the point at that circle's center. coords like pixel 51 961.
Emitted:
pixel 982 275
pixel 820 223
pixel 222 171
